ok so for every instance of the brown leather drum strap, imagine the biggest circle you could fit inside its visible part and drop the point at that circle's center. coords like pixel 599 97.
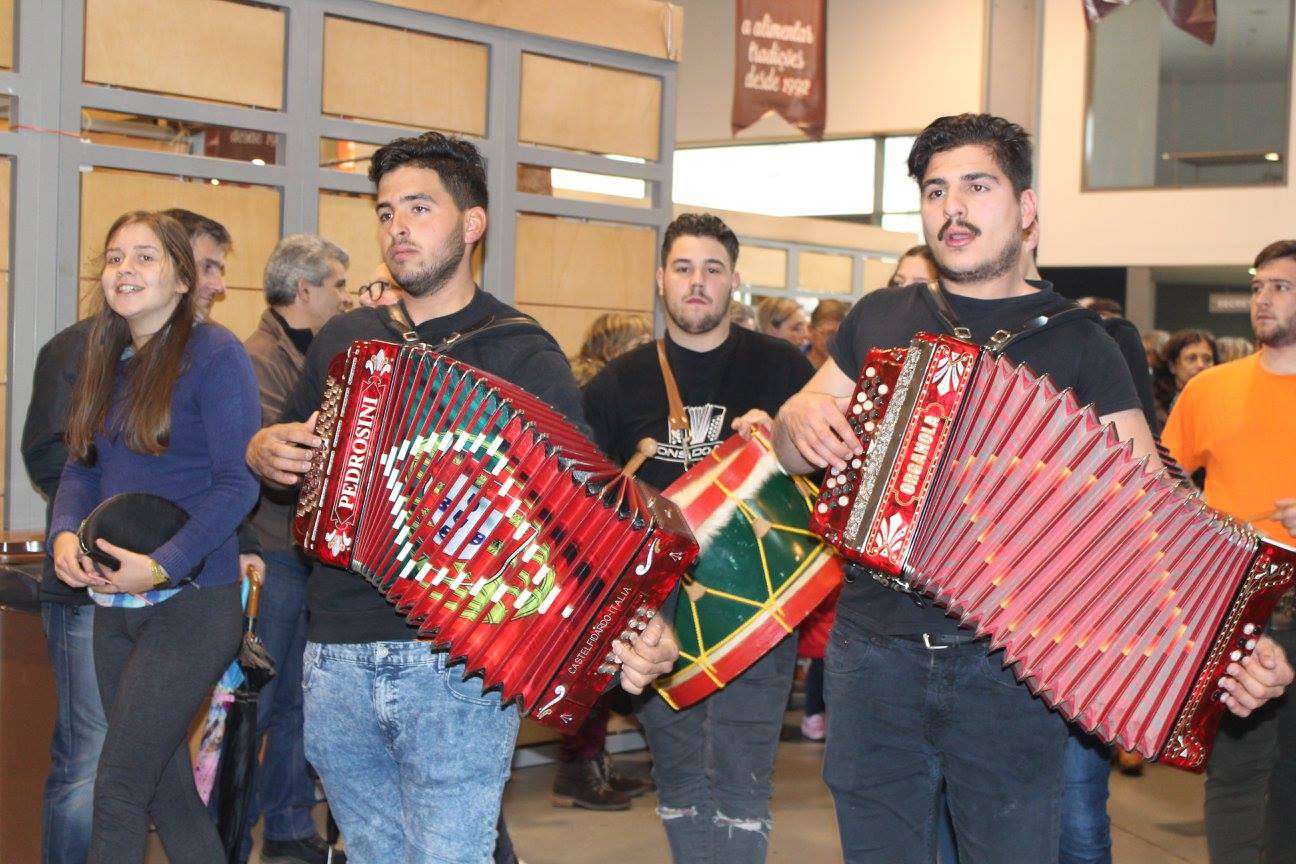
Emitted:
pixel 677 420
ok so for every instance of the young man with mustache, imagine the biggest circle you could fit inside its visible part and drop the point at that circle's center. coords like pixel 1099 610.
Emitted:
pixel 1238 421
pixel 412 756
pixel 914 701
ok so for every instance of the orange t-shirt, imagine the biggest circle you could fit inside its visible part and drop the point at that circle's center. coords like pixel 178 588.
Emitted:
pixel 1238 421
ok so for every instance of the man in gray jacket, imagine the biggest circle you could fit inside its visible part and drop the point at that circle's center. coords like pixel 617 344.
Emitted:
pixel 305 286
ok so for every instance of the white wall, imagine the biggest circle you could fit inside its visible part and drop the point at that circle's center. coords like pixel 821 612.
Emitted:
pixel 893 66
pixel 1155 227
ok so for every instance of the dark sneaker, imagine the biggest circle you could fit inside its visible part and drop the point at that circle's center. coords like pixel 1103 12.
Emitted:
pixel 631 786
pixel 581 784
pixel 308 850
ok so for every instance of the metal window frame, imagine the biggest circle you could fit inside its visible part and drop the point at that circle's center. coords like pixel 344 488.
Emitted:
pixel 49 92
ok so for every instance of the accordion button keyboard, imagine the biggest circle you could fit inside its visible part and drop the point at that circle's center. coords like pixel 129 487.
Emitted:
pixel 1249 629
pixel 1235 655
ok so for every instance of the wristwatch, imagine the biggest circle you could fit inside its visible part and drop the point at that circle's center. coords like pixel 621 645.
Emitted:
pixel 160 577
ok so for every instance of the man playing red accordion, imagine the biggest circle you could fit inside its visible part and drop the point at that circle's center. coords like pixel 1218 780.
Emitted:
pixel 914 702
pixel 413 757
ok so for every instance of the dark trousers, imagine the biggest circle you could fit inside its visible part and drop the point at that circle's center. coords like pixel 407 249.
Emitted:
pixel 155 666
pixel 713 763
pixel 814 687
pixel 1251 783
pixel 902 718
pixel 588 741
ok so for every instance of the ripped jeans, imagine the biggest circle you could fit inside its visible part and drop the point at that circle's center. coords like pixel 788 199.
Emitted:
pixel 713 761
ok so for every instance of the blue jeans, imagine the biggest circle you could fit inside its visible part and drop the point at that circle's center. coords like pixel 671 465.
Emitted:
pixel 78 733
pixel 413 758
pixel 903 717
pixel 1086 828
pixel 713 763
pixel 284 789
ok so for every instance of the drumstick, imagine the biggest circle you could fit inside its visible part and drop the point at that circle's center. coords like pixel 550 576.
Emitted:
pixel 1261 517
pixel 644 450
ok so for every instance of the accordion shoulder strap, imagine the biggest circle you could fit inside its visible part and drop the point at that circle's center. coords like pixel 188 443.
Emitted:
pixel 677 419
pixel 1065 310
pixel 398 320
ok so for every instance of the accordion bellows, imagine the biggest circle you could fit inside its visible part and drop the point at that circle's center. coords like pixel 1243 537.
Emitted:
pixel 1117 595
pixel 490 522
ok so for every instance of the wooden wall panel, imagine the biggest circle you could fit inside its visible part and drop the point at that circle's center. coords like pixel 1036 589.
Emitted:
pixel 877 273
pixel 396 76
pixel 648 27
pixel 578 106
pixel 567 323
pixel 6 186
pixel 349 221
pixel 240 310
pixel 6 33
pixel 570 262
pixel 207 49
pixel 762 266
pixel 251 213
pixel 817 271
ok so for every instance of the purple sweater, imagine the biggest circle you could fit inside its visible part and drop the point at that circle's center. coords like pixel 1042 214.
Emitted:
pixel 215 410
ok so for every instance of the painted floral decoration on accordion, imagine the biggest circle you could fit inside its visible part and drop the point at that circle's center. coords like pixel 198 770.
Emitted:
pixel 337 541
pixel 949 370
pixel 378 363
pixel 890 535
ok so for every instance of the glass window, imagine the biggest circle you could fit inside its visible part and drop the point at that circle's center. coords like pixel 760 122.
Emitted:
pixel 899 191
pixel 1166 109
pixel 824 178
pixel 179 136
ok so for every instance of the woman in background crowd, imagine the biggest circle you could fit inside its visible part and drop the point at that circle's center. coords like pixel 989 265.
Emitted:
pixel 1234 348
pixel 1186 353
pixel 783 318
pixel 609 336
pixel 163 405
pixel 916 265
pixel 1154 342
pixel 742 314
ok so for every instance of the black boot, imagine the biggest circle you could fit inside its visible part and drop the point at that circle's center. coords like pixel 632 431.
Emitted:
pixel 631 786
pixel 580 783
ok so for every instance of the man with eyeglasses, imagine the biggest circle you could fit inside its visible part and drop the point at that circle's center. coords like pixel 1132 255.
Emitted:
pixel 305 286
pixel 380 290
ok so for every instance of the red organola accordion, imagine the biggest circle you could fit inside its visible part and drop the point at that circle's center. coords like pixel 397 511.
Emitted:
pixel 1117 595
pixel 489 521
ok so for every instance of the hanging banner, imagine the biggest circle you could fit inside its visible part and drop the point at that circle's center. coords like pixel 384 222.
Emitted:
pixel 780 63
pixel 1194 17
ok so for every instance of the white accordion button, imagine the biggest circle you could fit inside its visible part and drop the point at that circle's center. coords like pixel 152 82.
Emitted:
pixel 1250 644
pixel 882 389
pixel 857 410
pixel 869 426
pixel 856 464
pixel 843 501
pixel 1235 656
pixel 861 397
pixel 1249 629
pixel 822 508
pixel 870 372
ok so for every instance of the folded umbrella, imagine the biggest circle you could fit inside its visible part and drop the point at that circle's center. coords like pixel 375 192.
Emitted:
pixel 234 778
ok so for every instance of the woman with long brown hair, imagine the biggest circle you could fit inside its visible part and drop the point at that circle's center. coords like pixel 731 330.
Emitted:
pixel 1186 353
pixel 162 405
pixel 609 336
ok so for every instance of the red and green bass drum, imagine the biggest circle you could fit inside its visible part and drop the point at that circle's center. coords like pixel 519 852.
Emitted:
pixel 761 570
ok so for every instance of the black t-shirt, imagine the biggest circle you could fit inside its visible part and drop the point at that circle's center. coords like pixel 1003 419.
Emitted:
pixel 1076 353
pixel 343 606
pixel 626 402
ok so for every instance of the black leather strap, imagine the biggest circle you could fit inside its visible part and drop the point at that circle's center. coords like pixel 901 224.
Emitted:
pixel 398 320
pixel 1001 339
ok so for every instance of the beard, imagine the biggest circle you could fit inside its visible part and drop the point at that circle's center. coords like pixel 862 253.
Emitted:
pixel 677 311
pixel 1004 262
pixel 1275 334
pixel 434 276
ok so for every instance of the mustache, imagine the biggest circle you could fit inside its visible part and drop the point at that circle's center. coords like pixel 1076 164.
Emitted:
pixel 950 223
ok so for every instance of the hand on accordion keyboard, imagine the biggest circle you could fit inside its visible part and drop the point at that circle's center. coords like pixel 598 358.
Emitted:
pixel 281 454
pixel 651 655
pixel 1262 676
pixel 1285 512
pixel 815 425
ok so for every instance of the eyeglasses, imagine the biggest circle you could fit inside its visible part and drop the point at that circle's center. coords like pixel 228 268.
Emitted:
pixel 374 290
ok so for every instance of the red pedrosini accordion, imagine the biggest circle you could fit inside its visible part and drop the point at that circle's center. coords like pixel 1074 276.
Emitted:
pixel 1117 595
pixel 489 521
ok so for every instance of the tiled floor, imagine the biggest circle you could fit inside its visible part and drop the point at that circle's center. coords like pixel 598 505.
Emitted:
pixel 1156 819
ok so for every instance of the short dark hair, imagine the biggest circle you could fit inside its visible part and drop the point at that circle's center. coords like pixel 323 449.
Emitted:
pixel 700 225
pixel 196 225
pixel 1008 142
pixel 1274 251
pixel 455 161
pixel 828 310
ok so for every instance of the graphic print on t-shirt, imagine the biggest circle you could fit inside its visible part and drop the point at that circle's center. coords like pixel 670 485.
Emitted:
pixel 706 428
